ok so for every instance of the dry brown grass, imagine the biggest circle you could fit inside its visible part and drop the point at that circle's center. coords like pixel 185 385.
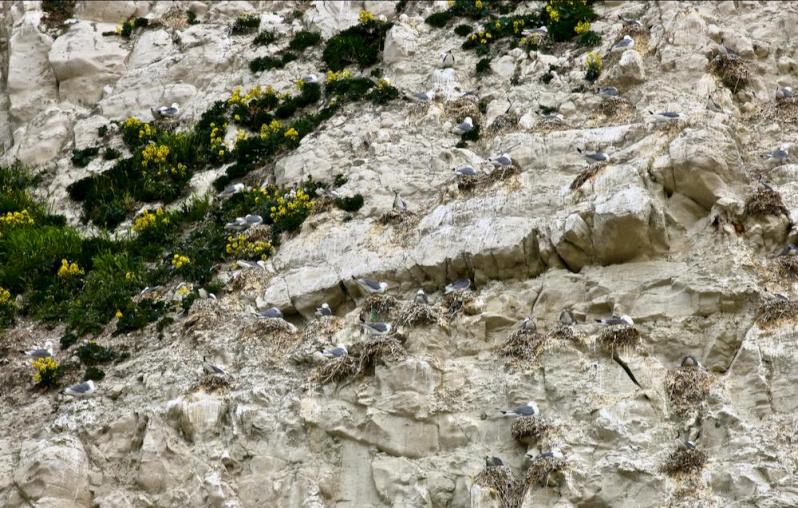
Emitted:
pixel 415 313
pixel 587 174
pixel 383 305
pixel 775 310
pixel 788 265
pixel 458 109
pixel 501 480
pixel 542 469
pixel 619 337
pixel 732 71
pixel 684 462
pixel 361 360
pixel 545 124
pixel 503 124
pixel 564 333
pixel 529 429
pixel 524 346
pixel 616 108
pixel 467 183
pixel 639 34
pixel 211 383
pixel 765 202
pixel 688 388
pixel 456 300
pixel 175 19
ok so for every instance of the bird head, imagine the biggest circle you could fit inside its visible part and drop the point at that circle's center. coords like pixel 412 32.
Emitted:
pixel 174 105
pixel 627 38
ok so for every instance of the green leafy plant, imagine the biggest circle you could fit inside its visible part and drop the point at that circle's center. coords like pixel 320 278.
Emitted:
pixel 483 66
pixel 593 66
pixel 350 204
pixel 360 45
pixel 264 38
pixel 245 24
pixel 191 18
pixel 463 30
pixel 111 154
pixel 303 40
pixel 563 16
pixel 81 158
pixel 91 354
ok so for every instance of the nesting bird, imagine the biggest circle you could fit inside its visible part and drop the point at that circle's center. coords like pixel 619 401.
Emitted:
pixel 270 313
pixel 311 78
pixel 370 286
pixel 493 462
pixel 336 352
pixel 539 31
pixel 626 43
pixel 528 409
pixel 554 453
pixel 593 157
pixel 566 318
pixel 528 324
pixel 630 21
pixel 232 189
pixel 324 310
pixel 783 92
pixel 423 97
pixel 166 111
pixel 212 369
pixel 788 250
pixel 690 362
pixel 447 59
pixel 666 115
pixel 399 203
pixel 84 389
pixel 780 154
pixel 502 161
pixel 376 328
pixel 465 170
pixel 45 351
pixel 458 285
pixel 466 126
pixel 616 319
pixel 243 223
pixel 608 91
pixel 421 297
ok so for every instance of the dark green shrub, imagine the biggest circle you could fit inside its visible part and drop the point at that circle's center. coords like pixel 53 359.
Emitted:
pixel 439 19
pixel 57 11
pixel 471 135
pixel 562 16
pixel 483 66
pixel 93 374
pixel 463 30
pixel 191 18
pixel 111 154
pixel 81 158
pixel 303 40
pixel 352 204
pixel 360 44
pixel 349 88
pixel 264 38
pixel 91 354
pixel 383 93
pixel 588 39
pixel 68 340
pixel 140 315
pixel 265 63
pixel 131 24
pixel 245 25
pixel 102 130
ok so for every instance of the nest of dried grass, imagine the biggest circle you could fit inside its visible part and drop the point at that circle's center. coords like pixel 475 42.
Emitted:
pixel 501 480
pixel 175 19
pixel 776 309
pixel 640 34
pixel 524 346
pixel 529 429
pixel 616 107
pixel 765 202
pixel 541 470
pixel 687 388
pixel 211 383
pixel 467 183
pixel 499 174
pixel 382 305
pixel 502 124
pixel 456 300
pixel 564 332
pixel 619 337
pixel 465 106
pixel 732 71
pixel 587 174
pixel 684 461
pixel 788 265
pixel 361 360
pixel 545 124
pixel 404 222
pixel 415 313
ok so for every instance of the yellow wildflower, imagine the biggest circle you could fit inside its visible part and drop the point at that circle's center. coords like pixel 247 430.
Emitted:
pixel 5 296
pixel 552 12
pixel 69 270
pixel 478 4
pixel 182 291
pixel 21 218
pixel 179 261
pixel 118 314
pixel 582 27
pixel 365 16
pixel 291 133
pixel 46 369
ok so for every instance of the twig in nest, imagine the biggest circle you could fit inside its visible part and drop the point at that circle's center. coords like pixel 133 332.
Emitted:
pixel 619 337
pixel 765 202
pixel 687 388
pixel 528 429
pixel 415 313
pixel 524 345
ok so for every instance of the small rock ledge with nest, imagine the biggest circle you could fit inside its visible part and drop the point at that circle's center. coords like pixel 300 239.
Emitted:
pixel 619 337
pixel 415 314
pixel 688 388
pixel 361 360
pixel 776 310
pixel 530 429
pixel 524 346
pixel 546 470
pixel 684 462
pixel 501 480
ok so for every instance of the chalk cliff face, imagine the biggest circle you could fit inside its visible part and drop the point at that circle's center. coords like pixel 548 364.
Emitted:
pixel 662 230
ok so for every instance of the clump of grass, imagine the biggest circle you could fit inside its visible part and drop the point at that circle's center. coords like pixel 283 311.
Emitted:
pixel 455 301
pixel 524 346
pixel 245 24
pixel 6 308
pixel 81 158
pixel 788 265
pixel 775 309
pixel 529 429
pixel 542 469
pixel 361 360
pixel 111 154
pixel 416 313
pixel 483 66
pixel 56 12
pixel 211 383
pixel 91 354
pixel 593 66
pixel 765 202
pixel 382 305
pixel 264 38
pixel 684 462
pixel 614 338
pixel 68 340
pixel 688 388
pixel 500 479
pixel 360 45
pixel 94 374
pixel 732 71
pixel 47 372
pixel 350 204
pixel 463 30
pixel 587 174
pixel 303 40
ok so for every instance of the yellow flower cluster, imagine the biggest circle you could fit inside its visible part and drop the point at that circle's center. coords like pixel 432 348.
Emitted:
pixel 5 296
pixel 299 84
pixel 45 368
pixel 130 276
pixel 553 14
pixel 22 218
pixel 478 4
pixel 217 138
pixel 154 154
pixel 179 261
pixel 182 291
pixel 267 130
pixel 257 195
pixel 382 84
pixel 593 61
pixel 69 270
pixel 146 130
pixel 132 123
pixel 291 134
pixel 148 219
pixel 241 136
pixel 365 16
pixel 255 92
pixel 582 27
pixel 483 37
pixel 241 246
pixel 300 203
pixel 335 76
pixel 518 24
pixel 118 314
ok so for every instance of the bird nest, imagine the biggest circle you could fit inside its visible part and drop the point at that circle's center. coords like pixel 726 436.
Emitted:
pixel 415 313
pixel 467 183
pixel 619 337
pixel 211 383
pixel 503 124
pixel 684 461
pixel 616 107
pixel 382 305
pixel 765 202
pixel 687 388
pixel 361 360
pixel 278 332
pixel 732 71
pixel 404 222
pixel 549 124
pixel 788 265
pixel 587 174
pixel 459 109
pixel 501 480
pixel 776 309
pixel 542 470
pixel 470 183
pixel 175 19
pixel 455 301
pixel 529 429
pixel 639 34
pixel 565 333
pixel 524 346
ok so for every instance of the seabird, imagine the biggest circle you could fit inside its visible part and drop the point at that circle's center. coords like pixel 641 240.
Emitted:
pixel 542 30
pixel 421 297
pixel 465 127
pixel 554 453
pixel 320 191
pixel 528 409
pixel 310 78
pixel 608 91
pixel 789 250
pixel 336 352
pixel 626 43
pixel 690 362
pixel 41 352
pixel 630 21
pixel 465 170
pixel 687 444
pixel 593 157
pixel 271 312
pixel 81 389
pixel 783 92
pixel 166 111
pixel 566 318
pixel 212 369
pixel 324 310
pixel 232 189
pixel 370 286
pixel 502 160
pixel 447 59
pixel 780 154
pixel 493 462
pixel 617 320
pixel 458 285
pixel 423 96
pixel 726 49
pixel 242 223
pixel 666 115
pixel 376 328
pixel 399 203
pixel 528 324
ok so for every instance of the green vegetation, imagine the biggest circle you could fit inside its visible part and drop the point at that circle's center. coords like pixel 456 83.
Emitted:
pixel 245 24
pixel 93 374
pixel 483 66
pixel 91 354
pixel 303 40
pixel 47 372
pixel 191 18
pixel 352 204
pixel 463 30
pixel 81 158
pixel 131 24
pixel 361 44
pixel 264 38
pixel 562 17
pixel 593 66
